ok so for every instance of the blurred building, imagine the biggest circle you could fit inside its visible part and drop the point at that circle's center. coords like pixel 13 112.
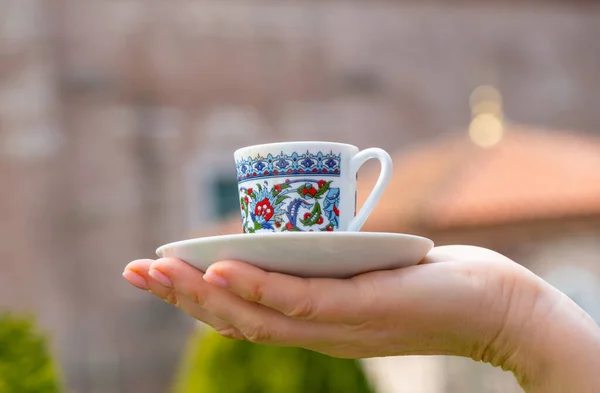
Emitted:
pixel 118 120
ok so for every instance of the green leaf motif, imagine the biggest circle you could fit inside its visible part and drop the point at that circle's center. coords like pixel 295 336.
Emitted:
pixel 281 199
pixel 314 216
pixel 257 226
pixel 324 229
pixel 323 190
pixel 244 205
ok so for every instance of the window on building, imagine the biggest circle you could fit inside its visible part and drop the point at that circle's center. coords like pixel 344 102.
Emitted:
pixel 225 196
pixel 361 82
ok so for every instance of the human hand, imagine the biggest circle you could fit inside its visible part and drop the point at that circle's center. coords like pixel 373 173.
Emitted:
pixel 460 300
pixel 454 302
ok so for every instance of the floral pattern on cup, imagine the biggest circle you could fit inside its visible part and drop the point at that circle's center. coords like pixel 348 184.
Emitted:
pixel 295 205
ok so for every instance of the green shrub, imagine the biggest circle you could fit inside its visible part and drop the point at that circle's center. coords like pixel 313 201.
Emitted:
pixel 218 365
pixel 25 362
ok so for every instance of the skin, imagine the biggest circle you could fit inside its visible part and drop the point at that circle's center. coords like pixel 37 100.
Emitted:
pixel 461 300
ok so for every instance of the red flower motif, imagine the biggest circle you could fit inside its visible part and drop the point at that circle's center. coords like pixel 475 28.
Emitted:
pixel 329 229
pixel 336 211
pixel 320 220
pixel 312 191
pixel 304 191
pixel 278 187
pixel 306 216
pixel 322 183
pixel 289 226
pixel 249 191
pixel 264 209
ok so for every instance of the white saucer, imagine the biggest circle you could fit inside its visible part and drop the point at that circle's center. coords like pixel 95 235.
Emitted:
pixel 306 254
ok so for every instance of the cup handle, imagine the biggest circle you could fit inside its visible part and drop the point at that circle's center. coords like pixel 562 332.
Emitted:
pixel 384 178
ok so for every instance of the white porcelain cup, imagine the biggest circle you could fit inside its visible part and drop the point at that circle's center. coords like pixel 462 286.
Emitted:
pixel 305 186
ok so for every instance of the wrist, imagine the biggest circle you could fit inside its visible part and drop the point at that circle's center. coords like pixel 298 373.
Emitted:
pixel 554 344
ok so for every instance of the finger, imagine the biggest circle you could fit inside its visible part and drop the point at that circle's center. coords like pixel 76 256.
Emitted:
pixel 320 300
pixel 136 273
pixel 256 322
pixel 461 253
pixel 157 286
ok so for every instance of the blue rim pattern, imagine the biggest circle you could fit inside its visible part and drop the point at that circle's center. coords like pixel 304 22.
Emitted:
pixel 288 165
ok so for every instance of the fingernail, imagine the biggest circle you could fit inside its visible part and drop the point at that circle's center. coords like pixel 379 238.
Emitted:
pixel 215 279
pixel 161 278
pixel 135 279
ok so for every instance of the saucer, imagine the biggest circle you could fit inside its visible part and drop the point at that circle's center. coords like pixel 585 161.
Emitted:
pixel 306 254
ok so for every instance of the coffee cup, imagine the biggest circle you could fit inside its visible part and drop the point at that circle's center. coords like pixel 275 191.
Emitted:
pixel 305 186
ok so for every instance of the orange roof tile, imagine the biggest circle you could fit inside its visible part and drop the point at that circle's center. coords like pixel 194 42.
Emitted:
pixel 530 174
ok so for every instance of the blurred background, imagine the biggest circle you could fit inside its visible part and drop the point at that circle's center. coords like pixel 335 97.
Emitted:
pixel 119 118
